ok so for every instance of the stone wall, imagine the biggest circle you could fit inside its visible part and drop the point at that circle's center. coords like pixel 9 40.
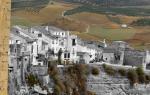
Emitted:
pixel 134 58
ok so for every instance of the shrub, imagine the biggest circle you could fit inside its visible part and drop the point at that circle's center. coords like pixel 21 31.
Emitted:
pixel 122 72
pixel 95 71
pixel 90 93
pixel 104 66
pixel 52 70
pixel 141 74
pixel 132 76
pixel 31 80
pixel 109 70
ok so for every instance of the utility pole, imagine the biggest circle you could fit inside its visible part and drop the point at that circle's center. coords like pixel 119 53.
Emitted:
pixel 4 40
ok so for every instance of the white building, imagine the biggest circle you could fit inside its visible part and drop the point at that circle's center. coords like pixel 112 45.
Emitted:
pixel 47 38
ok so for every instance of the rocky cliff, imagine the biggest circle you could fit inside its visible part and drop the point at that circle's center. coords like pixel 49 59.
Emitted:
pixel 114 85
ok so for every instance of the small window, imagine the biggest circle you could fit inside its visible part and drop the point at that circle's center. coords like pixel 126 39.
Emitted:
pixel 90 56
pixel 15 50
pixel 17 31
pixel 39 35
pixel 32 49
pixel 39 64
pixel 17 41
pixel 25 59
pixel 65 55
pixel 68 55
pixel 52 42
pixel 73 42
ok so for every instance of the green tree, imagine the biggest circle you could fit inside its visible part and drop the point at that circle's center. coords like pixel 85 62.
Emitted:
pixel 141 74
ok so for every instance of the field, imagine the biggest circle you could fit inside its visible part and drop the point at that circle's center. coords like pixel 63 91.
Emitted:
pixel 112 34
pixel 94 19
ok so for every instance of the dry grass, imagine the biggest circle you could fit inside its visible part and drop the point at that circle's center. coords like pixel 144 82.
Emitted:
pixel 127 19
pixel 45 15
pixel 94 19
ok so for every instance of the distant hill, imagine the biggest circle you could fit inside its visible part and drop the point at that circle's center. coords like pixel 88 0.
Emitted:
pixel 18 4
pixel 112 2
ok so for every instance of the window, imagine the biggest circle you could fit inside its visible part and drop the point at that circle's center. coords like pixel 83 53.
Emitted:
pixel 39 64
pixel 73 51
pixel 25 59
pixel 17 31
pixel 39 35
pixel 53 42
pixel 68 55
pixel 73 42
pixel 17 41
pixel 32 49
pixel 65 55
pixel 15 50
pixel 90 56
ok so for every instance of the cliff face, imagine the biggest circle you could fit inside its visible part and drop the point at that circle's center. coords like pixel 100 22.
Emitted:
pixel 114 85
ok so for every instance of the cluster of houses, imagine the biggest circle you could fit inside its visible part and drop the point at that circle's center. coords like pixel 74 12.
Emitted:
pixel 34 47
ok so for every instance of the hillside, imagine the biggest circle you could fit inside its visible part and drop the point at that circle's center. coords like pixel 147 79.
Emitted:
pixel 134 11
pixel 112 2
pixel 19 4
pixel 141 22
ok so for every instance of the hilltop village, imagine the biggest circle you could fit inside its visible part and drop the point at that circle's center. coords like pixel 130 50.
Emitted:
pixel 33 48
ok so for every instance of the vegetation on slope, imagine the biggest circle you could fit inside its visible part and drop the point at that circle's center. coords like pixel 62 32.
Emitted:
pixel 108 3
pixel 141 22
pixel 95 71
pixel 32 80
pixel 107 10
pixel 21 4
pixel 71 79
pixel 134 75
